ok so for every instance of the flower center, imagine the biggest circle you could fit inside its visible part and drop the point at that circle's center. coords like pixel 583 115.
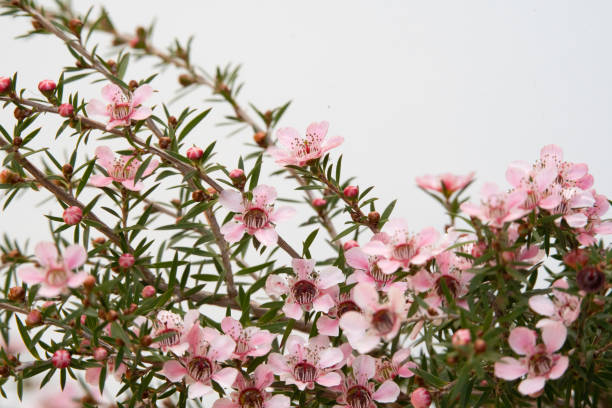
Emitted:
pixel 540 363
pixel 383 321
pixel 304 292
pixel 121 171
pixel 57 276
pixel 451 283
pixel 242 345
pixel 379 275
pixel 346 306
pixel 255 218
pixel 171 337
pixel 384 370
pixel 121 110
pixel 305 372
pixel 358 397
pixel 404 251
pixel 200 368
pixel 251 398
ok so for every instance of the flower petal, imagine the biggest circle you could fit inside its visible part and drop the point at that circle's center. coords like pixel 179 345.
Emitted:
pixel 554 335
pixel 112 93
pixel 96 107
pixel 559 368
pixel 267 236
pixel 263 195
pixel 232 200
pixel 173 370
pixel 522 340
pixel 510 368
pixel 100 181
pixel 141 113
pixel 387 392
pixel 74 256
pixel 531 385
pixel 225 376
pixel 233 231
pixel 141 94
pixel 541 304
pixel 30 274
pixel 329 379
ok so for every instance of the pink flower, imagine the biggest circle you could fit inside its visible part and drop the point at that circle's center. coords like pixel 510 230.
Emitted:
pixel 398 365
pixel 175 331
pixel 306 364
pixel 257 217
pixel 350 244
pixel 299 151
pixel 358 391
pixel 207 348
pixel 444 183
pixel 402 249
pixel 72 215
pixel 462 337
pixel 307 290
pixel 376 270
pixel 56 274
pixel 121 169
pixel 250 341
pixel 364 330
pixel 540 362
pixel 61 359
pixel 343 302
pixel 252 392
pixel 564 307
pixel 121 108
pixel 594 224
pixel 496 207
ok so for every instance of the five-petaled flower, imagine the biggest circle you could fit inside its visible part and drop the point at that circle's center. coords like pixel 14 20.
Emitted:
pixel 122 107
pixel 121 169
pixel 300 151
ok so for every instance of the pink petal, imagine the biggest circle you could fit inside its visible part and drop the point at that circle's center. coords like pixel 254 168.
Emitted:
pixel 531 385
pixel 471 209
pixel 92 376
pixel 293 310
pixel 74 256
pixel 302 267
pixel 105 156
pixel 221 348
pixel 173 370
pixel 541 304
pixel 323 303
pixel 522 340
pixel 553 151
pixel 330 357
pixel 141 94
pixel 427 236
pixel 387 392
pixel 130 185
pixel 100 181
pixel 376 247
pixel 330 276
pixel 332 142
pixel 577 171
pixel 364 368
pixel 77 279
pixel 225 403
pixel 545 177
pixel 278 401
pixel 316 132
pixel 288 137
pixel 282 214
pixel 516 172
pixel 328 326
pixel 422 281
pixel 96 107
pixel 278 364
pixel 232 200
pixel 30 274
pixel 550 202
pixel 356 258
pixel 46 253
pixel 150 168
pixel 233 231
pixel 231 327
pixel 329 379
pixel 50 291
pixel 353 322
pixel 263 376
pixel 554 336
pixel 510 368
pixel 364 344
pixel 365 296
pixel 117 122
pixel 112 93
pixel 276 285
pixel 267 236
pixel 577 220
pixel 198 389
pixel 263 195
pixel 141 113
pixel 225 376
pixel 559 368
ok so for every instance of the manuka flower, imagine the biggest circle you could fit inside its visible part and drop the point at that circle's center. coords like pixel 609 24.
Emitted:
pixel 299 151
pixel 121 107
pixel 446 183
pixel 251 392
pixel 121 169
pixel 563 308
pixel 250 341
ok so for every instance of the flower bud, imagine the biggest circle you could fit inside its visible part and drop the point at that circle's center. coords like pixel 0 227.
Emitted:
pixel 100 353
pixel 172 121
pixel 374 217
pixel 462 337
pixel 133 85
pixel 36 25
pixel 126 261
pixel 146 340
pixel 67 170
pixel 164 142
pixel 148 291
pixel 66 110
pixel 9 177
pixel 480 346
pixel 576 259
pixel 75 25
pixel 17 141
pixel 590 279
pixel 16 294
pixel 420 398
pixel 212 193
pixel 260 139
pixel 350 244
pixel 47 87
pixel 61 359
pixel 89 283
pixel 111 315
pixel 194 153
pixel 198 195
pixel 34 318
pixel 186 79
pixel 238 178
pixel 351 191
pixel 319 202
pixel 5 85
pixel 72 215
pixel 21 113
pixel 130 309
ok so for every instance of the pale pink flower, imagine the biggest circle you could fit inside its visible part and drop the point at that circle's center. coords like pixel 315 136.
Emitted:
pixel 257 217
pixel 250 341
pixel 373 269
pixel 299 151
pixel 364 330
pixel 207 348
pixel 121 107
pixel 563 308
pixel 121 169
pixel 175 330
pixel 252 392
pixel 308 363
pixel 444 183
pixel 540 362
pixel 536 183
pixel 398 365
pixel 56 273
pixel 497 208
pixel 328 324
pixel 307 290
pixel 358 391
pixel 595 225
pixel 462 337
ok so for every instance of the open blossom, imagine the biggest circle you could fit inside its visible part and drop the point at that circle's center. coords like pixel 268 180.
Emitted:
pixel 257 217
pixel 207 348
pixel 55 273
pixel 446 182
pixel 400 247
pixel 299 151
pixel 563 308
pixel 398 365
pixel 307 363
pixel 497 207
pixel 251 392
pixel 250 341
pixel 174 330
pixel 343 302
pixel 358 391
pixel 121 107
pixel 595 225
pixel 121 169
pixel 373 269
pixel 540 362
pixel 307 290
pixel 376 320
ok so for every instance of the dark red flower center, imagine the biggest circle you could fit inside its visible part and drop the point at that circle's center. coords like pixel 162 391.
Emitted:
pixel 121 110
pixel 358 397
pixel 255 218
pixel 404 252
pixel 251 398
pixel 57 276
pixel 200 368
pixel 383 321
pixel 379 275
pixel 305 372
pixel 452 284
pixel 540 363
pixel 347 306
pixel 171 337
pixel 304 292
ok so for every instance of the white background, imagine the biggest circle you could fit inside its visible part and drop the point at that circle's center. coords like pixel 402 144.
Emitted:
pixel 414 87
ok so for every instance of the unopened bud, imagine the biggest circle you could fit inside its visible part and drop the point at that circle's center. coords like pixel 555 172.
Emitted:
pixel 67 170
pixel 148 291
pixel 373 218
pixel 319 202
pixel 420 398
pixel 350 244
pixel 186 79
pixel 112 65
pixel 238 178
pixel 462 337
pixel 16 294
pixel 47 87
pixel 100 353
pixel 21 113
pixel 172 121
pixel 194 153
pixel 126 261
pixel 576 259
pixel 351 191
pixel 9 177
pixel 61 359
pixel 72 215
pixel 66 110
pixel 146 340
pixel 480 346
pixel 36 25
pixel 212 193
pixel 176 202
pixel 590 279
pixel 164 142
pixel 260 139
pixel 34 318
pixel 17 141
pixel 5 85
pixel 75 25
pixel 111 315
pixel 198 195
pixel 133 85
pixel 130 309
pixel 89 283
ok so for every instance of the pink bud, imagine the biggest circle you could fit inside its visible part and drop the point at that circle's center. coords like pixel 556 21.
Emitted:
pixel 420 398
pixel 66 110
pixel 319 202
pixel 194 153
pixel 148 291
pixel 61 359
pixel 462 337
pixel 134 42
pixel 126 261
pixel 351 191
pixel 350 244
pixel 46 86
pixel 83 319
pixel 5 85
pixel 236 174
pixel 72 215
pixel 100 353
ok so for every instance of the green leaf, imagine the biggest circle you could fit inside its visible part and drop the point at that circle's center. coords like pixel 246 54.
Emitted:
pixel 26 338
pixel 85 177
pixel 193 123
